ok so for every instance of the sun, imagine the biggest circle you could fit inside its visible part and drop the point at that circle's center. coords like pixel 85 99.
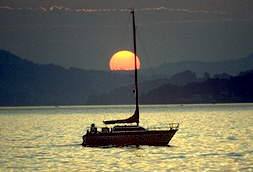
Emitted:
pixel 123 60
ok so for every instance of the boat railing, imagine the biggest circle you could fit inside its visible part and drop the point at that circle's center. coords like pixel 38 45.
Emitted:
pixel 171 126
pixel 174 126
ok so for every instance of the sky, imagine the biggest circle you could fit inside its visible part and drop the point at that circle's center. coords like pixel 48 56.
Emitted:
pixel 86 33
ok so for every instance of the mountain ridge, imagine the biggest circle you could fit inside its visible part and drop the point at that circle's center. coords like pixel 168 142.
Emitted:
pixel 232 67
pixel 23 82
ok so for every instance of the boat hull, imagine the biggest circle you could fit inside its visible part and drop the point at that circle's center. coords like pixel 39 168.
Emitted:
pixel 151 138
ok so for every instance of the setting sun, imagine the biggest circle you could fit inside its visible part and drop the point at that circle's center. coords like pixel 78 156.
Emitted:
pixel 123 60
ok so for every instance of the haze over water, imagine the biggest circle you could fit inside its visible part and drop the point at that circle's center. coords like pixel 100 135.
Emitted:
pixel 212 137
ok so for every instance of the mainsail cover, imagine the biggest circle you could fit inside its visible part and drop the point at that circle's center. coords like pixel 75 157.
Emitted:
pixel 132 119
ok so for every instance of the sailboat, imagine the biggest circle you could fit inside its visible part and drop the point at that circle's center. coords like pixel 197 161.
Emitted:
pixel 123 135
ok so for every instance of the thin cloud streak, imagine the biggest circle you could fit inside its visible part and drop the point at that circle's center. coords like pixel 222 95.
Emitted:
pixel 225 16
pixel 101 10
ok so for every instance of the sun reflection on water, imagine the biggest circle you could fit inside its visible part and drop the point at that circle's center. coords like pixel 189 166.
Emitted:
pixel 211 137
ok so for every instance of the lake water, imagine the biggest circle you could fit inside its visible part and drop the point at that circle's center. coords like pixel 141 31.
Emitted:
pixel 212 137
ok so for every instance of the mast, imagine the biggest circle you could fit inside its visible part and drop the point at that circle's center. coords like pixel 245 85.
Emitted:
pixel 135 116
pixel 135 67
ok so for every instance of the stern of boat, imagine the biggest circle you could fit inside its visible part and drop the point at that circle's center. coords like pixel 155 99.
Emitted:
pixel 85 137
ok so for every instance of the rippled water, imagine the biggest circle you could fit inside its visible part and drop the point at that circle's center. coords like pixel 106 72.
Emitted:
pixel 211 137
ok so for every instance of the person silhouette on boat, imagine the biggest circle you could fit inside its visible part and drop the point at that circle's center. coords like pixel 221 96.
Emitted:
pixel 93 129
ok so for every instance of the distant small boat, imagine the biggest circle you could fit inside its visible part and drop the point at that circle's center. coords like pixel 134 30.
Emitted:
pixel 123 135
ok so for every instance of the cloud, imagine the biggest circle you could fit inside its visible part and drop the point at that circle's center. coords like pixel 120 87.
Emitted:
pixel 101 10
pixel 7 8
pixel 220 15
pixel 12 8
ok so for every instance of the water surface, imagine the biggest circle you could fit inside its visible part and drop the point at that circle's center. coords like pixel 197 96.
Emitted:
pixel 212 137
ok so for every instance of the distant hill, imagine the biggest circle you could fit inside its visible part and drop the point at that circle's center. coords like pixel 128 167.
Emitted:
pixel 124 94
pixel 213 90
pixel 232 67
pixel 183 78
pixel 23 82
pixel 234 89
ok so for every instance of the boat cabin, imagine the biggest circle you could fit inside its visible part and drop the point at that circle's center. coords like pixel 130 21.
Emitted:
pixel 127 128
